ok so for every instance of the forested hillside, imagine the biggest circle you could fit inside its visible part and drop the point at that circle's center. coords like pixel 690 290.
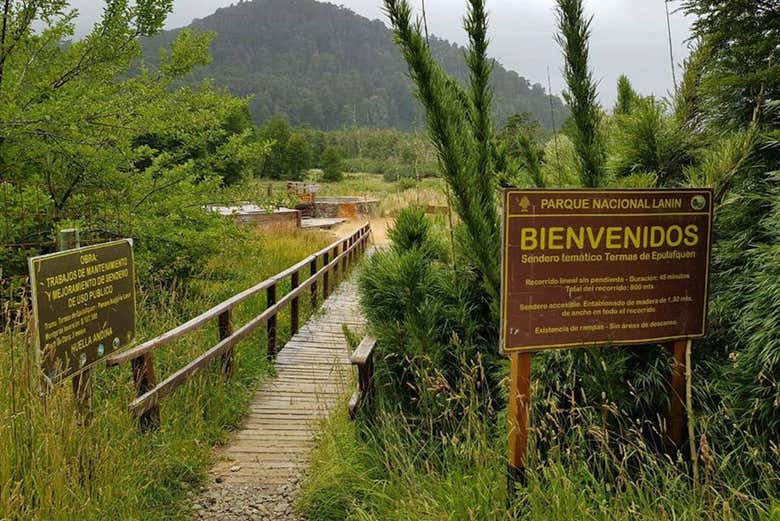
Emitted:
pixel 323 65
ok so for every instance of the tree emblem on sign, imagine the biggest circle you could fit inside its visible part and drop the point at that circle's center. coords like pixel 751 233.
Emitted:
pixel 525 204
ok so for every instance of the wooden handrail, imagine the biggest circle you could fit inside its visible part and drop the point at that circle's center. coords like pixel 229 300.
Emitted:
pixel 363 359
pixel 227 305
pixel 146 403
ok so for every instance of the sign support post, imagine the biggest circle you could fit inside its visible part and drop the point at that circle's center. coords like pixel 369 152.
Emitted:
pixel 82 383
pixel 519 416
pixel 676 396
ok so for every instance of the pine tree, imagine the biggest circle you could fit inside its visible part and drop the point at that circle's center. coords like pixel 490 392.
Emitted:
pixel 626 96
pixel 459 124
pixel 582 97
pixel 742 69
pixel 332 165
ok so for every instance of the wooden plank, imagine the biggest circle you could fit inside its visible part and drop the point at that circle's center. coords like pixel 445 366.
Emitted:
pixel 312 375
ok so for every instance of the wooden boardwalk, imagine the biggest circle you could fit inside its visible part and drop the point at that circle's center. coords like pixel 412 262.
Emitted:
pixel 312 377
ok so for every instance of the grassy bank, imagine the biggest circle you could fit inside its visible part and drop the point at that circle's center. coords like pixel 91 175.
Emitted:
pixel 435 445
pixel 52 468
pixel 385 471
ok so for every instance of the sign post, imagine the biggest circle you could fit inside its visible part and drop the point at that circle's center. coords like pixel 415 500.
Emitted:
pixel 585 268
pixel 519 409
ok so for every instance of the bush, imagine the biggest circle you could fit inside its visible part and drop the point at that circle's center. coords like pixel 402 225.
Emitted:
pixel 427 321
pixel 356 165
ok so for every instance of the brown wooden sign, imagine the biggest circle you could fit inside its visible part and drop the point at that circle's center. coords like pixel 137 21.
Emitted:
pixel 84 306
pixel 596 267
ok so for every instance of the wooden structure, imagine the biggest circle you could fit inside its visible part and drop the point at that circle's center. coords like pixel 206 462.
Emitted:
pixel 363 359
pixel 337 257
pixel 251 214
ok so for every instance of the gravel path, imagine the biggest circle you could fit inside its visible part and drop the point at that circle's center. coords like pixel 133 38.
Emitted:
pixel 235 502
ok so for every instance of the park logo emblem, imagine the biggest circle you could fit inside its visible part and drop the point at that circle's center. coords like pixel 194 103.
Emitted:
pixel 525 204
pixel 698 202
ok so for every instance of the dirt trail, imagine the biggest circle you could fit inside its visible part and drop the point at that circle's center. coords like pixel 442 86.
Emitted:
pixel 379 227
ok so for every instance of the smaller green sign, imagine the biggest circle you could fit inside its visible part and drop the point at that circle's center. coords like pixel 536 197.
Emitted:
pixel 84 306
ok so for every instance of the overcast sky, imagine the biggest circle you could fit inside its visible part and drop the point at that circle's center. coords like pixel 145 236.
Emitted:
pixel 629 36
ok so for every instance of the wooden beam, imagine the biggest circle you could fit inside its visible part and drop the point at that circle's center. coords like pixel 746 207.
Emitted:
pixel 294 306
pixel 271 323
pixel 676 423
pixel 225 330
pixel 519 410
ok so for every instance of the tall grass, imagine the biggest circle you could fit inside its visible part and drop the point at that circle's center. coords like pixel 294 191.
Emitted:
pixel 384 469
pixel 52 467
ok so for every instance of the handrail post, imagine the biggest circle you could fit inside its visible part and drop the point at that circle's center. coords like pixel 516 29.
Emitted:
pixel 366 378
pixel 145 380
pixel 337 268
pixel 294 305
pixel 271 324
pixel 225 330
pixel 326 261
pixel 313 271
pixel 348 256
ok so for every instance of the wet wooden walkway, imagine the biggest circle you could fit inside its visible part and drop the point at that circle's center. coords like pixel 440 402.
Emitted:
pixel 312 377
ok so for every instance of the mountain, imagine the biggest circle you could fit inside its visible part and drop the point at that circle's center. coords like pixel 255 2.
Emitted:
pixel 324 65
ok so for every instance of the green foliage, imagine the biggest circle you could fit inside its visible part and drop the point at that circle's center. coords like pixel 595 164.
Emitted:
pixel 429 319
pixel 291 153
pixel 412 230
pixel 298 153
pixel 743 346
pixel 332 165
pixel 596 438
pixel 688 110
pixel 383 470
pixel 741 72
pixel 581 95
pixel 460 130
pixel 392 153
pixel 521 139
pixel 648 140
pixel 561 165
pixel 61 469
pixel 626 96
pixel 285 53
pixel 117 153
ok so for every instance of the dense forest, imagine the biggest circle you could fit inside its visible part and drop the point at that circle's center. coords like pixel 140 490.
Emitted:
pixel 325 66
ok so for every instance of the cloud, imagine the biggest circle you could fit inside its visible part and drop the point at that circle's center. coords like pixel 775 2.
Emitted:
pixel 629 36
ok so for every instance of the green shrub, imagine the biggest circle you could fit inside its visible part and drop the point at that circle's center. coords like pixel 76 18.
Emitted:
pixel 428 319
